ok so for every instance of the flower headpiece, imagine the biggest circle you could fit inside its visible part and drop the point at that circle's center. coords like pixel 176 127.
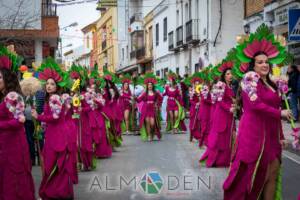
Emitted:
pixel 263 40
pixel 9 60
pixel 172 76
pixel 149 78
pixel 126 79
pixel 78 72
pixel 50 69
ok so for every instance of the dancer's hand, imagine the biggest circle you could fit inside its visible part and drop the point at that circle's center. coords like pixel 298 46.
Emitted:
pixel 22 119
pixel 287 114
pixel 284 144
pixel 34 114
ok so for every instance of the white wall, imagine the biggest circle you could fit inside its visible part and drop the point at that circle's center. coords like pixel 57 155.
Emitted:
pixel 17 14
pixel 232 26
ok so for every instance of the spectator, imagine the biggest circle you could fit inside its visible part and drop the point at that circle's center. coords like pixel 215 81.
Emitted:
pixel 294 85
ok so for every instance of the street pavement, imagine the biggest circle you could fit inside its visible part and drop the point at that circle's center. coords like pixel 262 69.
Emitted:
pixel 174 160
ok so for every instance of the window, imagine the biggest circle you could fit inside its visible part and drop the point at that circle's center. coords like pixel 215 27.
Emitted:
pixel 123 54
pixel 157 34
pixel 197 9
pixel 186 10
pixel 157 73
pixel 150 38
pixel 177 70
pixel 88 41
pixel 190 9
pixel 177 18
pixel 127 52
pixel 165 29
pixel 165 72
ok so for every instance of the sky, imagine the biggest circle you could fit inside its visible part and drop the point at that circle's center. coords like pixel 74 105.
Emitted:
pixel 84 14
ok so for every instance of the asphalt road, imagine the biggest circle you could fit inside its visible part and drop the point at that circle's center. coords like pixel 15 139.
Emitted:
pixel 176 173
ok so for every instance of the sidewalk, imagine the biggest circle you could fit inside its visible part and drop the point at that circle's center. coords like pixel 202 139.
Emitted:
pixel 287 131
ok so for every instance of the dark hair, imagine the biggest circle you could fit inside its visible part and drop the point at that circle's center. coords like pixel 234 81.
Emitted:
pixel 110 85
pixel 252 65
pixel 223 75
pixel 154 91
pixel 58 91
pixel 128 88
pixel 11 82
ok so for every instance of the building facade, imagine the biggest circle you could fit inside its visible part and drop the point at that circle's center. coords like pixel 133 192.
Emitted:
pixel 107 36
pixel 275 15
pixel 34 32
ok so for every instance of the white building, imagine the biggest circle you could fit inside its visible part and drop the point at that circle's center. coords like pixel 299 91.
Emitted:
pixel 131 33
pixel 79 56
pixel 197 34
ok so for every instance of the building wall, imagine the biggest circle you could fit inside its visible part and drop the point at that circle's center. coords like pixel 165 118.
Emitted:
pixel 107 32
pixel 161 54
pixel 232 26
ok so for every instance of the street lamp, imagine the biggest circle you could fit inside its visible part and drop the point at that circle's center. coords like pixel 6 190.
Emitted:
pixel 71 25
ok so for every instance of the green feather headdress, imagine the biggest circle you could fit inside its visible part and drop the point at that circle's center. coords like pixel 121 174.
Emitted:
pixel 12 60
pixel 50 69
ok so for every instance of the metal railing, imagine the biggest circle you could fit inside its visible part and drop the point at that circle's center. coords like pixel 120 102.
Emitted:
pixel 192 31
pixel 133 54
pixel 179 36
pixel 136 17
pixel 104 44
pixel 171 40
pixel 140 53
pixel 49 10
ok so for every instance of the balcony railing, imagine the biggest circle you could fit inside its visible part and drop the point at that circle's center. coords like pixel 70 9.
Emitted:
pixel 133 54
pixel 103 45
pixel 140 53
pixel 136 17
pixel 192 31
pixel 171 40
pixel 179 36
pixel 49 10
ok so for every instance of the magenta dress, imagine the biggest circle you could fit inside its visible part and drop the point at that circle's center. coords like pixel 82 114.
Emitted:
pixel 103 147
pixel 150 109
pixel 194 117
pixel 174 96
pixel 72 144
pixel 57 179
pixel 16 182
pixel 125 100
pixel 204 117
pixel 219 147
pixel 86 136
pixel 113 110
pixel 258 144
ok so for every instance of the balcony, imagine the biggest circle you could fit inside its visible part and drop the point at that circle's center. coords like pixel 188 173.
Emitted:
pixel 133 54
pixel 49 10
pixel 192 31
pixel 136 17
pixel 179 36
pixel 171 40
pixel 140 53
pixel 103 45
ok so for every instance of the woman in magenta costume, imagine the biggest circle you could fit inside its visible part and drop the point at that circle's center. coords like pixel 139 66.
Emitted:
pixel 255 169
pixel 149 120
pixel 205 108
pixel 16 182
pixel 126 99
pixel 57 177
pixel 113 109
pixel 103 148
pixel 87 118
pixel 194 124
pixel 175 112
pixel 219 146
pixel 72 131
